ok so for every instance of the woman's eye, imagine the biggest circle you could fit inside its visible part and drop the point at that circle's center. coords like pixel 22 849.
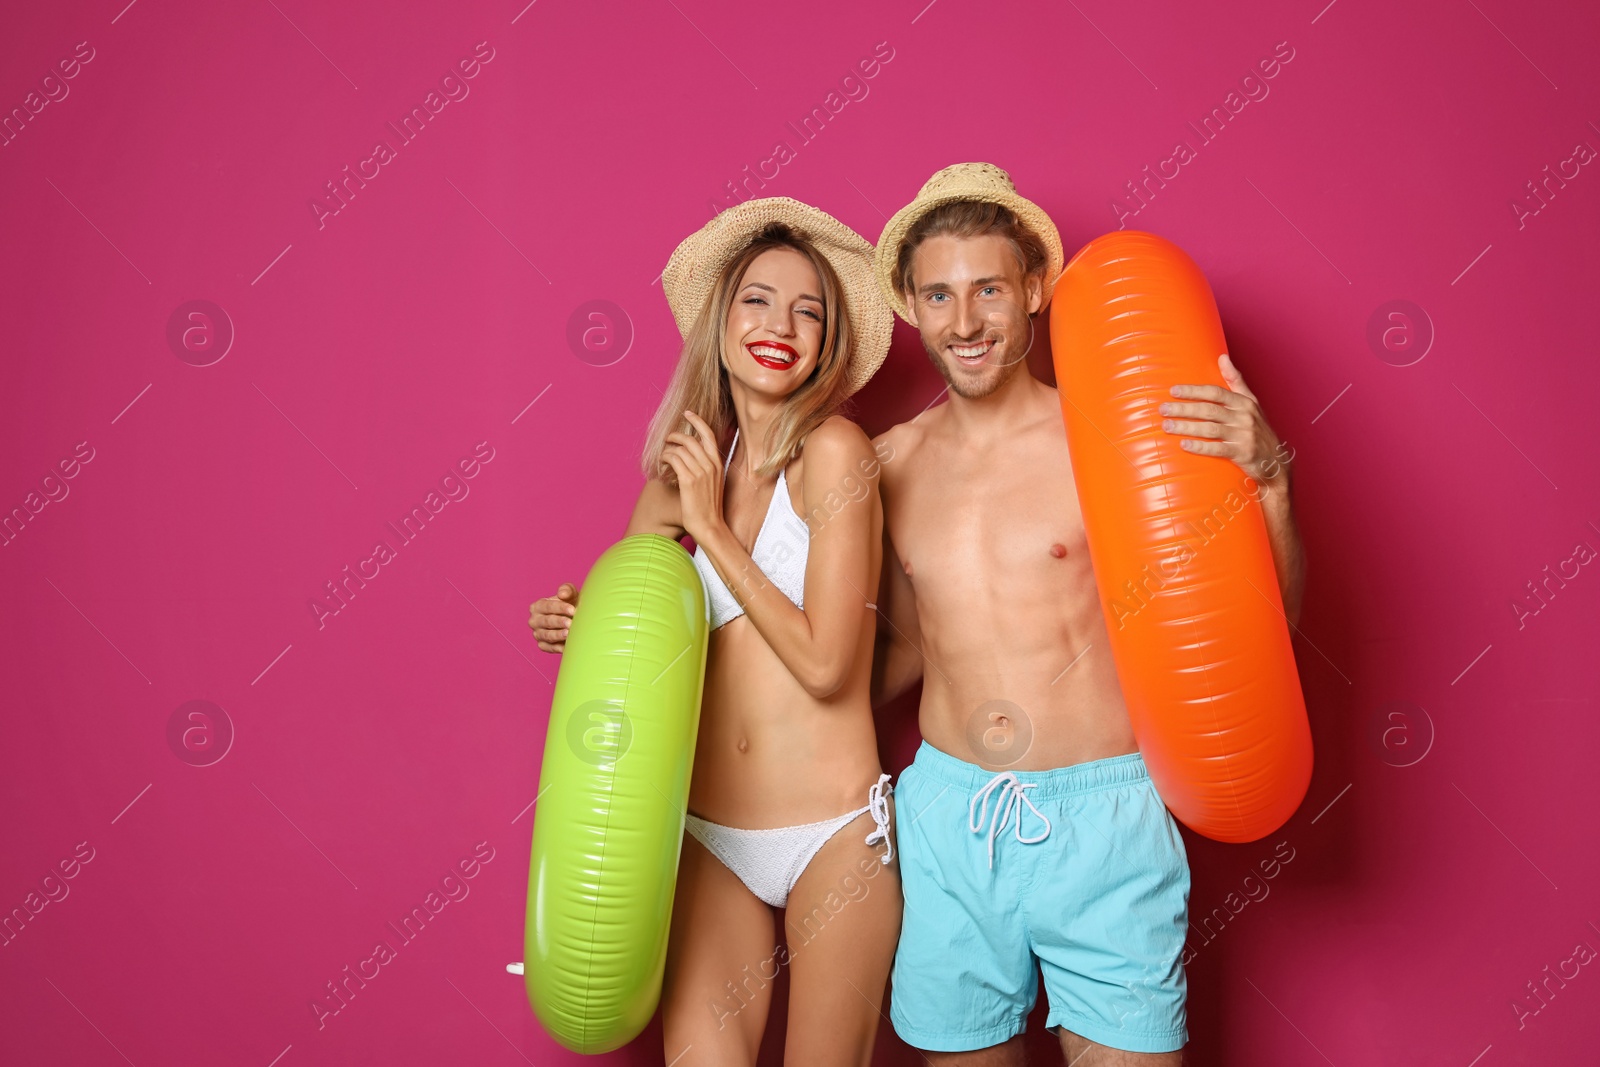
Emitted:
pixel 812 314
pixel 754 300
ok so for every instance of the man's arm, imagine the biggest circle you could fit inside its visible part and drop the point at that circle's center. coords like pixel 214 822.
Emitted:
pixel 1288 554
pixel 897 648
pixel 1229 423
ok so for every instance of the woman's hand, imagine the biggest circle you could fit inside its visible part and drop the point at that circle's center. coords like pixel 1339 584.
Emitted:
pixel 551 618
pixel 695 461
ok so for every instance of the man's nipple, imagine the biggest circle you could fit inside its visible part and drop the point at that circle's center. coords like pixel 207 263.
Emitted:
pixel 1059 551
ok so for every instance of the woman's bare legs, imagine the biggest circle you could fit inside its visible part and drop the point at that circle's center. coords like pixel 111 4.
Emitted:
pixel 721 959
pixel 843 922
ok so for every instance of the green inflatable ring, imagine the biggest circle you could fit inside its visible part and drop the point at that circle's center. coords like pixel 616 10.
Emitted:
pixel 613 789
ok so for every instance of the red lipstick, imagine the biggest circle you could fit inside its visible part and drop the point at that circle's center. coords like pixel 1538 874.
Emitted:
pixel 771 362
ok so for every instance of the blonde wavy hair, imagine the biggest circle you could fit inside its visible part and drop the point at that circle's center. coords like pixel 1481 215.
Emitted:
pixel 700 381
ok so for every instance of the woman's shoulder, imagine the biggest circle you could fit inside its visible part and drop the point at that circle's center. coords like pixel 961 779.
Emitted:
pixel 834 449
pixel 839 438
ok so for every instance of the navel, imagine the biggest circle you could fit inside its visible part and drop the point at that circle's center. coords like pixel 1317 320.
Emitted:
pixel 744 744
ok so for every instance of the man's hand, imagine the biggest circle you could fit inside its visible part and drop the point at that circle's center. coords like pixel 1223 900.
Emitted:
pixel 1228 423
pixel 551 618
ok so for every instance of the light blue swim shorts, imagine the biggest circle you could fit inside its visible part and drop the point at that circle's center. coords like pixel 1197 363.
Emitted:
pixel 1080 869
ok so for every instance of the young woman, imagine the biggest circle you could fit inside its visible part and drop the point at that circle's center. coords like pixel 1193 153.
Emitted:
pixel 788 806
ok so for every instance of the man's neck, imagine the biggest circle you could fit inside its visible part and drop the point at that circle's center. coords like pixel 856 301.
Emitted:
pixel 1002 411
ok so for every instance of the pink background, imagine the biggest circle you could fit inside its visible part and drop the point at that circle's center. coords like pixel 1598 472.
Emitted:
pixel 372 353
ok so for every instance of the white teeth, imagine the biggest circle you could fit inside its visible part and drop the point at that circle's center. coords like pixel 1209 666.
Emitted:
pixel 970 351
pixel 772 353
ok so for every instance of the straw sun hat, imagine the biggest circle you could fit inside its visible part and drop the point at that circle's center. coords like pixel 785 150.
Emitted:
pixel 964 181
pixel 699 261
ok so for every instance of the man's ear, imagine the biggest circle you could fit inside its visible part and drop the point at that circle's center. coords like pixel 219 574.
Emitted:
pixel 1035 290
pixel 911 309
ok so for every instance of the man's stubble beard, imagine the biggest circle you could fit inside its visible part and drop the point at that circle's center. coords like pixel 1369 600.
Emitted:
pixel 977 390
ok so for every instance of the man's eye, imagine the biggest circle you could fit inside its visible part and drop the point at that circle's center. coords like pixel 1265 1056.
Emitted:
pixel 989 289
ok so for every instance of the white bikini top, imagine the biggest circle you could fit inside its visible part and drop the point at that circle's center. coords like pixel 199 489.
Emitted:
pixel 780 553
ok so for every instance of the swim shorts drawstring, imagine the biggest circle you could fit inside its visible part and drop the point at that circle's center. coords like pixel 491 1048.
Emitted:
pixel 878 804
pixel 1013 794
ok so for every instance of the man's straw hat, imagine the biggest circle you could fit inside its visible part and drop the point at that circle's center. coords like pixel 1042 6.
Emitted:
pixel 964 181
pixel 699 261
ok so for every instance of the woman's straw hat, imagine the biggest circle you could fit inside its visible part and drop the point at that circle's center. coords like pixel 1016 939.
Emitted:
pixel 699 261
pixel 964 181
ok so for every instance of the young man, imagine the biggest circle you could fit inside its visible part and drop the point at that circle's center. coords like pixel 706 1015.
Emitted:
pixel 1066 859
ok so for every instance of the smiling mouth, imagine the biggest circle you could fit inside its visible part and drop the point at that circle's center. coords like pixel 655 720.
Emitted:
pixel 973 354
pixel 772 355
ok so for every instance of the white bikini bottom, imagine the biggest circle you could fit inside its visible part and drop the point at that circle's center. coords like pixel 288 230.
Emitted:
pixel 770 862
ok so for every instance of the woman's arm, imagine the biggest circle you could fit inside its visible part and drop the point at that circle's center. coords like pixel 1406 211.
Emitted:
pixel 656 511
pixel 817 644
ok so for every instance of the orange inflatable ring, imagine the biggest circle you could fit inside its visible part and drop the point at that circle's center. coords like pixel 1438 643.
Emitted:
pixel 1178 543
